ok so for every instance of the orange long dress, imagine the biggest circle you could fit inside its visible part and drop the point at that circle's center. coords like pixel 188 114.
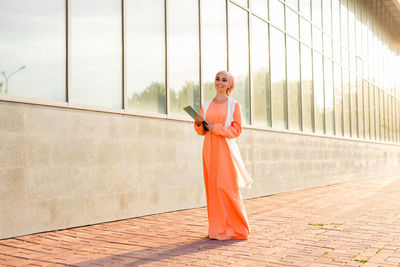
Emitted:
pixel 226 214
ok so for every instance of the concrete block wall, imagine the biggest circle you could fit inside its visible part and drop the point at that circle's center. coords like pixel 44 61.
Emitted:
pixel 63 167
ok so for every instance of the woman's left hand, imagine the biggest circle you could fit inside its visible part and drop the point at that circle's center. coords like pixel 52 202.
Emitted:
pixel 210 126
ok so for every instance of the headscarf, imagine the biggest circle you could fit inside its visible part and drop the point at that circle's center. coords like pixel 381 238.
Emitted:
pixel 231 81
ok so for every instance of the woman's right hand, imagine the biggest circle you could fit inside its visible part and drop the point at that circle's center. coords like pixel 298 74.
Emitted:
pixel 199 119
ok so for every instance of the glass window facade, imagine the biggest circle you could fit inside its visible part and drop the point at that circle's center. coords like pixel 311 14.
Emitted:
pixel 317 66
pixel 96 55
pixel 32 49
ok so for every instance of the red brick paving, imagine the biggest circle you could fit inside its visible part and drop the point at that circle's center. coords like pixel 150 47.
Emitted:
pixel 350 224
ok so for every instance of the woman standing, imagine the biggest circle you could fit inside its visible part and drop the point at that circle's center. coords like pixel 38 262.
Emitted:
pixel 222 165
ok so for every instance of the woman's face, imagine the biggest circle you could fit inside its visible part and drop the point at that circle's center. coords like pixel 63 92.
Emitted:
pixel 221 83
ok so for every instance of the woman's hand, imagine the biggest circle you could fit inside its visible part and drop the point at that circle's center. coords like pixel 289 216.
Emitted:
pixel 210 126
pixel 199 119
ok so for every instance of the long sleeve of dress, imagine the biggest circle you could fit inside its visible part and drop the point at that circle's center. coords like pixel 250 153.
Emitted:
pixel 232 131
pixel 200 129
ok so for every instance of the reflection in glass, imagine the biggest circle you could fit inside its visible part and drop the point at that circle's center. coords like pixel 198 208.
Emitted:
pixel 316 12
pixel 318 94
pixel 183 55
pixel 293 84
pixel 372 110
pixel 327 15
pixel 386 105
pixel 360 107
pixel 317 39
pixel 277 13
pixel 305 8
pixel 353 105
pixel 239 57
pixel 260 73
pixel 292 23
pixel 278 79
pixel 307 89
pixel 260 7
pixel 346 102
pixel 336 20
pixel 327 46
pixel 329 97
pixel 305 31
pixel 337 85
pixel 32 48
pixel 96 53
pixel 213 43
pixel 145 55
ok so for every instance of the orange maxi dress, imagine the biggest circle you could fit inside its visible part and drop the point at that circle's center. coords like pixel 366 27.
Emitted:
pixel 226 214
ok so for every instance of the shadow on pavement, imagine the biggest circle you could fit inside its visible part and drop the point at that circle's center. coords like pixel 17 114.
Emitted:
pixel 153 254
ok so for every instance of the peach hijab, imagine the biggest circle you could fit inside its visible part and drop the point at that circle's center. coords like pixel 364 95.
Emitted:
pixel 231 81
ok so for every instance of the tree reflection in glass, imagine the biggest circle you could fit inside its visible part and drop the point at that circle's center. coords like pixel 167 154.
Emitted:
pixel 32 48
pixel 145 55
pixel 183 55
pixel 239 57
pixel 260 73
pixel 213 43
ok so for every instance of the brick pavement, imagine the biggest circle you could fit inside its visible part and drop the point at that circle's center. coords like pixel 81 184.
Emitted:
pixel 349 224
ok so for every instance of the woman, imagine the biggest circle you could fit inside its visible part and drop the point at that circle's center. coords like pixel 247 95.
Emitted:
pixel 222 165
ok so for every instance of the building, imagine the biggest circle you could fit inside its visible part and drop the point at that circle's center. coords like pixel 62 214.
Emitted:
pixel 91 98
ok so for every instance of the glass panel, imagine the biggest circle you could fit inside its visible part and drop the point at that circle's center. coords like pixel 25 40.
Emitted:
pixel 292 23
pixel 343 23
pixel 366 111
pixel 359 66
pixel 327 46
pixel 327 15
pixel 242 2
pixel 351 27
pixel 305 8
pixel 382 115
pixel 239 57
pixel 337 84
pixel 293 3
pixel 96 52
pixel 352 62
pixel 318 94
pixel 372 110
pixel 316 12
pixel 346 102
pixel 276 13
pixel 278 79
pixel 317 39
pixel 336 19
pixel 145 57
pixel 353 105
pixel 213 43
pixel 293 84
pixel 377 115
pixel 305 31
pixel 345 57
pixel 32 48
pixel 260 73
pixel 337 52
pixel 183 55
pixel 260 7
pixel 386 99
pixel 306 85
pixel 360 107
pixel 329 96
